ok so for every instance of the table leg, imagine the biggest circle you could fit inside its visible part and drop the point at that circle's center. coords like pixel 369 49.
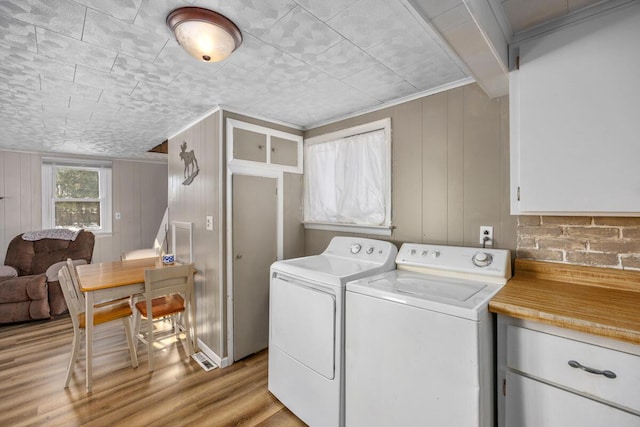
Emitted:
pixel 88 299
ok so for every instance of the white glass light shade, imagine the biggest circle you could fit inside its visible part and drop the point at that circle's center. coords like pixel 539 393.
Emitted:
pixel 205 41
pixel 204 34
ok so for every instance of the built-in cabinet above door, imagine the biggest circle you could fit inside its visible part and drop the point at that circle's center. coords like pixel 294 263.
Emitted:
pixel 258 146
pixel 575 118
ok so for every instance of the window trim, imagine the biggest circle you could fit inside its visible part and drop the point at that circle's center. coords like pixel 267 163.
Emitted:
pixel 104 168
pixel 384 229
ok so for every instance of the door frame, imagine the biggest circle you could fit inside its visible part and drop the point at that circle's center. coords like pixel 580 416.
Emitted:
pixel 259 172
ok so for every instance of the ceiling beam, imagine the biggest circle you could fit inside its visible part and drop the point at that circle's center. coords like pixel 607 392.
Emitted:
pixel 473 31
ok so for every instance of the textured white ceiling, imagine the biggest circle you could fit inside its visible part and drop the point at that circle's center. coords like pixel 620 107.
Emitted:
pixel 105 77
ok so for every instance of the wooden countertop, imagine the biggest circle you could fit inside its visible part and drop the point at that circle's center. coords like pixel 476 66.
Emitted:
pixel 599 301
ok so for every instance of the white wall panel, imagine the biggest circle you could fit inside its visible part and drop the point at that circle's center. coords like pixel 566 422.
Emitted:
pixel 449 169
pixel 192 203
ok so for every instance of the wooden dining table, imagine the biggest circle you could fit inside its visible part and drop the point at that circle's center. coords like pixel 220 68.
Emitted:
pixel 107 281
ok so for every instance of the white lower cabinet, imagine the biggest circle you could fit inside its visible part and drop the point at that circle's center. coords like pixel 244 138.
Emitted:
pixel 533 403
pixel 550 376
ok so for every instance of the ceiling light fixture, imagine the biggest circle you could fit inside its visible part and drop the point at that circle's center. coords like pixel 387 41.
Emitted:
pixel 205 34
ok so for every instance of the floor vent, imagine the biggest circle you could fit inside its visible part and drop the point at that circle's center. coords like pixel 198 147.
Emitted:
pixel 204 362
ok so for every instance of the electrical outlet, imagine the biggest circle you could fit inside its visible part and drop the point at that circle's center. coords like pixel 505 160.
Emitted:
pixel 486 235
pixel 209 223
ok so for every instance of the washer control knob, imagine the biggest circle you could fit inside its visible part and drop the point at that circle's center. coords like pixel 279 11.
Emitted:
pixel 413 252
pixel 355 248
pixel 482 259
pixel 369 250
pixel 424 253
pixel 435 254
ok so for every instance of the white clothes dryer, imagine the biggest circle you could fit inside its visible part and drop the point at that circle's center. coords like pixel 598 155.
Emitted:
pixel 419 340
pixel 306 325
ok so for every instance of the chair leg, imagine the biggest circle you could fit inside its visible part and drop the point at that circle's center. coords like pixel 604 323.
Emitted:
pixel 175 325
pixel 136 320
pixel 126 321
pixel 75 347
pixel 150 337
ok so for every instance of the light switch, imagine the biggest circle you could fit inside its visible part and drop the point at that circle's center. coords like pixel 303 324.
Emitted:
pixel 209 223
pixel 118 215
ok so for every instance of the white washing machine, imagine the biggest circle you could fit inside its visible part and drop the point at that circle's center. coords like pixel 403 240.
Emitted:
pixel 419 340
pixel 306 325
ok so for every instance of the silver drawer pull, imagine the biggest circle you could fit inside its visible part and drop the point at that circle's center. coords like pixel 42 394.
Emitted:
pixel 575 364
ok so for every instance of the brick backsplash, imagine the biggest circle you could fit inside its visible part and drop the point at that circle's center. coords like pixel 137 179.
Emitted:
pixel 612 242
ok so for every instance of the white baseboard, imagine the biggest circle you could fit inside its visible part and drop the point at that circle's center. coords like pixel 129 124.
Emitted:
pixel 221 362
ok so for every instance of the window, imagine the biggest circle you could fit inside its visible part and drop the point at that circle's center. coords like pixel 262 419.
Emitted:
pixel 348 179
pixel 76 194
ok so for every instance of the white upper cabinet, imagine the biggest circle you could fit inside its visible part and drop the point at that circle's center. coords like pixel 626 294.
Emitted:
pixel 254 146
pixel 575 118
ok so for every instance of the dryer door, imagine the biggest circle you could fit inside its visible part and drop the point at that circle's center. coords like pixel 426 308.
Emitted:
pixel 303 323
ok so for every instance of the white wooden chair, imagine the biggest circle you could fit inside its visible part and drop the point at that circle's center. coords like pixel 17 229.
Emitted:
pixel 168 292
pixel 175 302
pixel 104 312
pixel 140 253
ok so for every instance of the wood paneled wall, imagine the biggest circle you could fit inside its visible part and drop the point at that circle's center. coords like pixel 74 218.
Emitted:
pixel 20 185
pixel 139 194
pixel 450 169
pixel 192 203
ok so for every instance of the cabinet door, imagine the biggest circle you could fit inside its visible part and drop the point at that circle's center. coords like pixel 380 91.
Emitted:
pixel 530 403
pixel 574 118
pixel 284 151
pixel 248 145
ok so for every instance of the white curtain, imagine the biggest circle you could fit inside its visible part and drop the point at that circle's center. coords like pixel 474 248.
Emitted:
pixel 346 179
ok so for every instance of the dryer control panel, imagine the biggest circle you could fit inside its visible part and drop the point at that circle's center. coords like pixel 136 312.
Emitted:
pixel 361 249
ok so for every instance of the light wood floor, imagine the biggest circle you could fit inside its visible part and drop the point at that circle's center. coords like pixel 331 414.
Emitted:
pixel 33 361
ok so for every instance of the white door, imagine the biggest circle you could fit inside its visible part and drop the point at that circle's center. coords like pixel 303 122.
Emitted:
pixel 254 250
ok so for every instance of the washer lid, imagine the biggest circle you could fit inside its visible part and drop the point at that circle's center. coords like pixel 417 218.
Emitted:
pixel 331 265
pixel 462 298
pixel 421 287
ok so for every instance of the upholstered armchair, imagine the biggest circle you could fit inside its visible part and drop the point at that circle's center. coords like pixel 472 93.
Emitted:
pixel 29 286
